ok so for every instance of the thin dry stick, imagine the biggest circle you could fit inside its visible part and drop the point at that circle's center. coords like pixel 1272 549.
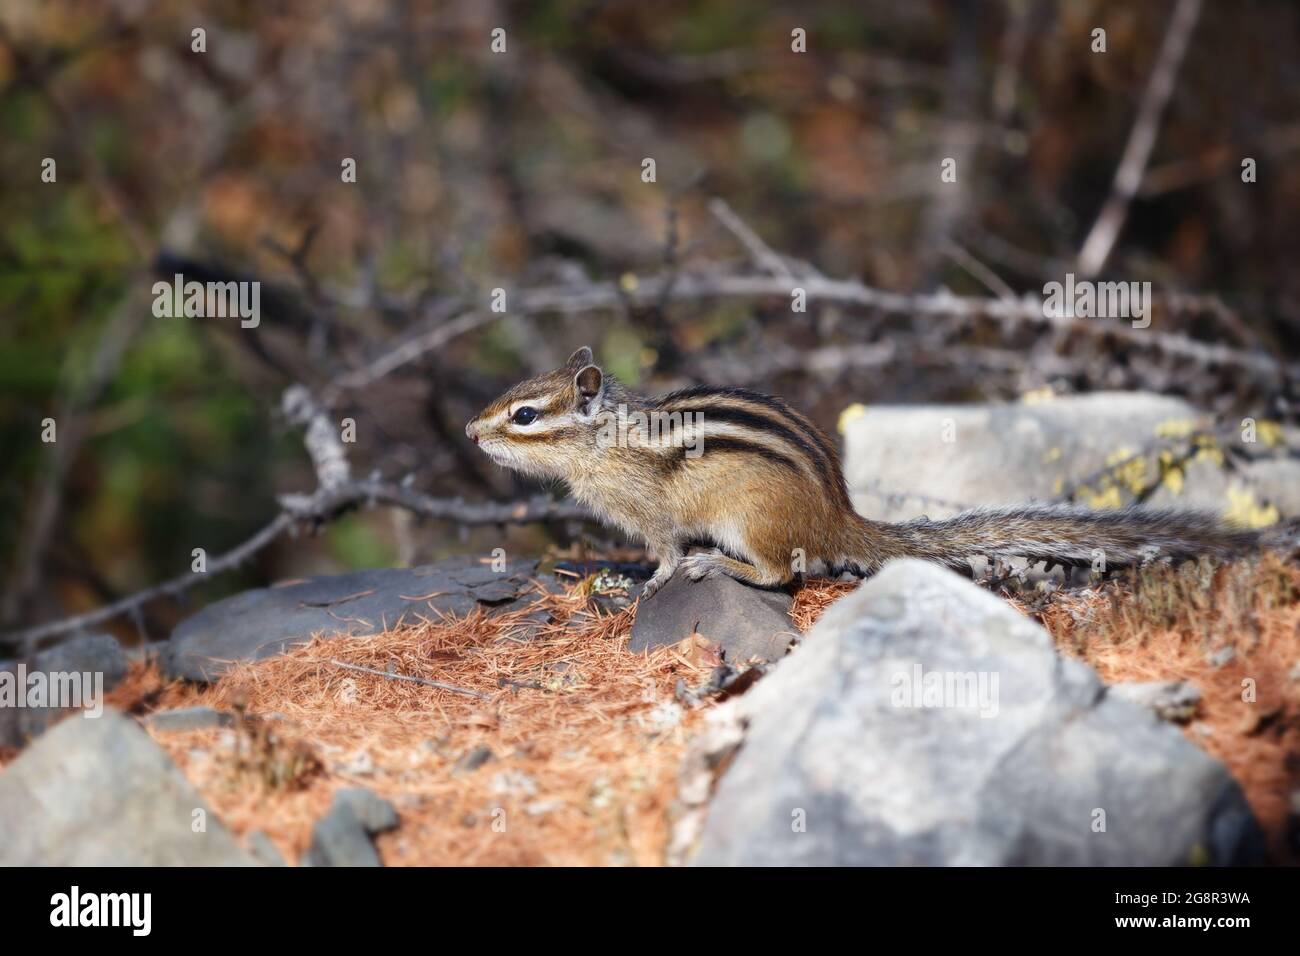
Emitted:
pixel 393 675
pixel 758 250
pixel 1128 176
pixel 26 639
pixel 679 285
pixel 409 351
pixel 321 506
pixel 942 305
pixel 986 276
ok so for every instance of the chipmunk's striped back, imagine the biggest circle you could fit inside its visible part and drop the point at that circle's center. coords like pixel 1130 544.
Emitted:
pixel 737 421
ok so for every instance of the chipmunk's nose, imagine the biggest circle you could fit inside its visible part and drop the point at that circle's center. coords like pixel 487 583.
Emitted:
pixel 471 432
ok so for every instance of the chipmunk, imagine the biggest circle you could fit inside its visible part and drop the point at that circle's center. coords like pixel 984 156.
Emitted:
pixel 761 482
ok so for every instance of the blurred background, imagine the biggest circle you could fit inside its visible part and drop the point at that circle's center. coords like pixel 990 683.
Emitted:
pixel 523 170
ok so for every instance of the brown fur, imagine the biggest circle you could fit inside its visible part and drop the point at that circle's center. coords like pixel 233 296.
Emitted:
pixel 768 489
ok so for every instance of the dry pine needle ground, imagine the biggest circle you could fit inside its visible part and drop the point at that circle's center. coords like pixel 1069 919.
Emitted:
pixel 585 739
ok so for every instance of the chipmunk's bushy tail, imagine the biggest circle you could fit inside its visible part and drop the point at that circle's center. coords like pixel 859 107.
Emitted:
pixel 1069 535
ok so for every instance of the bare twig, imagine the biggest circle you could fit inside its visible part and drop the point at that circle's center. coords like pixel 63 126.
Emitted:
pixel 27 639
pixel 574 299
pixel 758 250
pixel 986 276
pixel 949 203
pixel 326 502
pixel 1006 79
pixel 1026 309
pixel 1128 175
pixel 320 435
pixel 318 507
pixel 409 351
pixel 676 285
pixel 393 675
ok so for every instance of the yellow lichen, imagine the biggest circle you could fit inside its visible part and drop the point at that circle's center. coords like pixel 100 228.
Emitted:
pixel 1172 475
pixel 1128 470
pixel 1270 433
pixel 1246 510
pixel 1207 449
pixel 854 411
pixel 1038 395
pixel 1175 428
pixel 1109 498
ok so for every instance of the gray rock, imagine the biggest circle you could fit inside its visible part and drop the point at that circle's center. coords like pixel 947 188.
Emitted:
pixel 263 850
pixel 374 812
pixel 189 718
pixel 839 767
pixel 261 623
pixel 1222 657
pixel 1019 452
pixel 746 622
pixel 613 601
pixel 338 839
pixel 99 792
pixel 528 627
pixel 98 655
pixel 342 836
pixel 471 760
pixel 1174 700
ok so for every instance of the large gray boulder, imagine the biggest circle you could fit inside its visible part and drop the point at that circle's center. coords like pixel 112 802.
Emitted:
pixel 854 756
pixel 100 792
pixel 902 461
pixel 745 622
pixel 264 622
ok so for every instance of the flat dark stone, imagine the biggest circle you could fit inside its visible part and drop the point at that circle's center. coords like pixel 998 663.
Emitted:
pixel 471 760
pixel 188 718
pixel 339 839
pixel 342 836
pixel 264 622
pixel 94 654
pixel 374 813
pixel 747 622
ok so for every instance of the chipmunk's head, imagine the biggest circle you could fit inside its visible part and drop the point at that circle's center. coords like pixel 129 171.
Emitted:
pixel 546 426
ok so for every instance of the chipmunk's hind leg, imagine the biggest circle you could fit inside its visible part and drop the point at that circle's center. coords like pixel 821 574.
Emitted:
pixel 700 566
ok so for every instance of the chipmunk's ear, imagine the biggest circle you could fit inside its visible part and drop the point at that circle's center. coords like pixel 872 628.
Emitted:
pixel 590 382
pixel 579 359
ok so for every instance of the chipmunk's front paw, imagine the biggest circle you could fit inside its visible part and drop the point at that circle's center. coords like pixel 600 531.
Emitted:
pixel 654 584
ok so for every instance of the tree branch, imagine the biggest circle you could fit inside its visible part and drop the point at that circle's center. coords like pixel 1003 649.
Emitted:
pixel 1132 166
pixel 315 508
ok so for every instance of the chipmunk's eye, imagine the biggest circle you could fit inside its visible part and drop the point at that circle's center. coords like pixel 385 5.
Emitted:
pixel 524 416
